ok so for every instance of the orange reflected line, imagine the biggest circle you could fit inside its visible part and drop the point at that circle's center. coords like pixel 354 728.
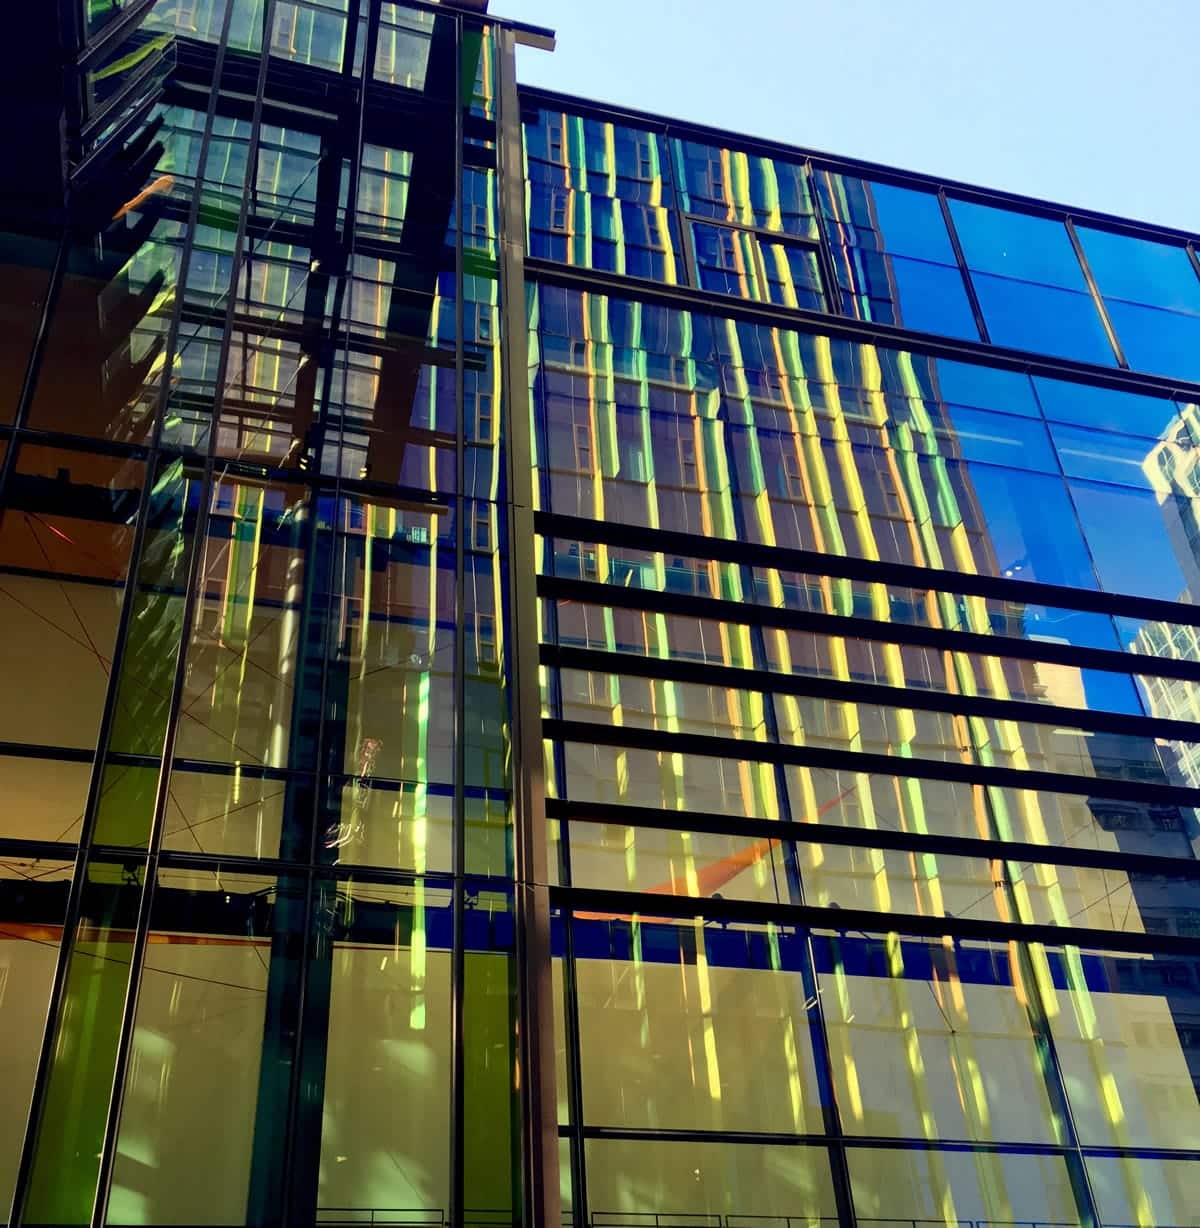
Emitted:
pixel 164 183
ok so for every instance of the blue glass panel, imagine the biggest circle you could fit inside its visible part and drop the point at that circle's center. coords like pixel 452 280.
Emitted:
pixel 912 223
pixel 1110 410
pixel 1043 319
pixel 1163 342
pixel 1031 527
pixel 1101 456
pixel 1129 534
pixel 964 383
pixel 1017 245
pixel 1002 439
pixel 933 298
pixel 1141 271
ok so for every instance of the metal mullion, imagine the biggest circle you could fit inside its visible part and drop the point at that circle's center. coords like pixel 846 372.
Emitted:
pixel 1194 259
pixel 1097 298
pixel 893 1142
pixel 964 272
pixel 993 848
pixel 619 904
pixel 829 266
pixel 683 221
pixel 335 583
pixel 538 1103
pixel 767 682
pixel 75 895
pixel 195 563
pixel 458 957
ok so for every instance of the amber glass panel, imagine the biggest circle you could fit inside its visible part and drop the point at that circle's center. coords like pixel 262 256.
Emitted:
pixel 932 1039
pixel 664 1033
pixel 44 798
pixel 701 1183
pixel 33 898
pixel 1137 1190
pixel 1125 1033
pixel 65 542
pixel 960 1189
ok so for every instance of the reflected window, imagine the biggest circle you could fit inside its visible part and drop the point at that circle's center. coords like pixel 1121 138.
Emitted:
pixel 894 259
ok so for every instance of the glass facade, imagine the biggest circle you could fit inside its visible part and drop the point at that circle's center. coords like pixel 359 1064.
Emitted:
pixel 562 668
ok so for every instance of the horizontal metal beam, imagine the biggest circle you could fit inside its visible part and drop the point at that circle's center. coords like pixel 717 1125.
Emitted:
pixel 905 575
pixel 710 823
pixel 626 905
pixel 942 639
pixel 703 673
pixel 594 733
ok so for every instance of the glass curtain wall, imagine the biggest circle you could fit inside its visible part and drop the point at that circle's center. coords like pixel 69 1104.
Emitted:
pixel 647 199
pixel 257 871
pixel 872 800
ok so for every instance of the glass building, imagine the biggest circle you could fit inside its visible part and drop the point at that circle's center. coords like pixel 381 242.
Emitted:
pixel 562 667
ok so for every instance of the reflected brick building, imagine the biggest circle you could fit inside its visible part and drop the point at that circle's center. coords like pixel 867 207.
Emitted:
pixel 565 667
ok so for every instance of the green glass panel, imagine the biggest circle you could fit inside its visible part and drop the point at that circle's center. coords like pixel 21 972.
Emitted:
pixel 184 1139
pixel 491 1183
pixel 79 1085
pixel 151 652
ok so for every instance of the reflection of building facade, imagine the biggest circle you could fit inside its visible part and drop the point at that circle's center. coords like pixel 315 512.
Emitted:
pixel 567 668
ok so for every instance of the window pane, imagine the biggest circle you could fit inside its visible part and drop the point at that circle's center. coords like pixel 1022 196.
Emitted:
pixel 960 1188
pixel 1105 408
pixel 187 1133
pixel 1137 1189
pixel 932 299
pixel 933 1040
pixel 73 1121
pixel 1163 342
pixel 1017 245
pixel 1131 534
pixel 33 899
pixel 1124 1028
pixel 1140 270
pixel 665 1030
pixel 44 799
pixel 65 542
pixel 630 1182
pixel 1043 319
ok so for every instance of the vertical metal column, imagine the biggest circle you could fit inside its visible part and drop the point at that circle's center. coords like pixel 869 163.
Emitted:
pixel 535 1049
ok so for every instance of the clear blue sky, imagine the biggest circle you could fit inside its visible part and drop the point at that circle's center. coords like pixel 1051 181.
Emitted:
pixel 1089 102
